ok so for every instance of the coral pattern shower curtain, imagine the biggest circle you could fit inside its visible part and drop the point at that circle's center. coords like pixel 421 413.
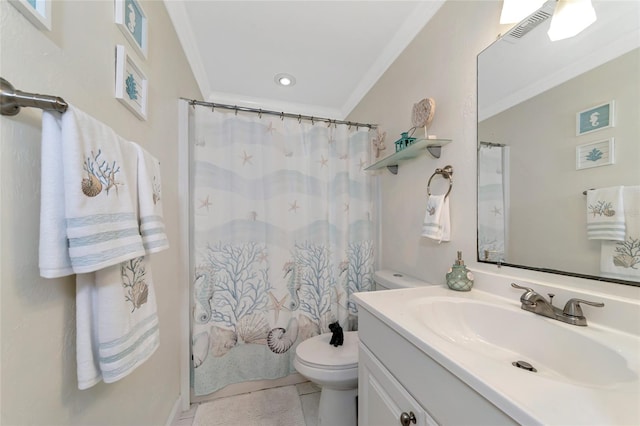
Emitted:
pixel 282 237
pixel 493 202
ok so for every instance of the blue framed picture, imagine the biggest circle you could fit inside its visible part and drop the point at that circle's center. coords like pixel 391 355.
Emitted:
pixel 133 23
pixel 38 12
pixel 596 118
pixel 131 83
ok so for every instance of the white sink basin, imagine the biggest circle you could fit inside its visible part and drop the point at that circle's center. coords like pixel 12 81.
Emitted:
pixel 585 375
pixel 506 335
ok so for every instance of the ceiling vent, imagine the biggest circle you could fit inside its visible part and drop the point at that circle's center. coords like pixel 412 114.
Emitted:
pixel 531 22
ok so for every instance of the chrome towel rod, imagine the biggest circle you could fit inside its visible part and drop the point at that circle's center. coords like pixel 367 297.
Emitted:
pixel 11 100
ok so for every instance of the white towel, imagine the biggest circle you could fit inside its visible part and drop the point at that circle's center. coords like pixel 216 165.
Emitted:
pixel 117 321
pixel 97 180
pixel 437 222
pixel 605 214
pixel 621 259
pixel 151 219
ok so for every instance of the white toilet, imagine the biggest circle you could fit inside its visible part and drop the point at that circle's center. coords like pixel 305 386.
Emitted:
pixel 335 369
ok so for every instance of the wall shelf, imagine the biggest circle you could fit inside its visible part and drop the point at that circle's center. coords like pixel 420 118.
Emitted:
pixel 392 161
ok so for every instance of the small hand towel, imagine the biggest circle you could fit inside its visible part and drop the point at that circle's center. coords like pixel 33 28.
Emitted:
pixel 621 259
pixel 605 214
pixel 437 222
pixel 152 228
pixel 97 184
pixel 117 321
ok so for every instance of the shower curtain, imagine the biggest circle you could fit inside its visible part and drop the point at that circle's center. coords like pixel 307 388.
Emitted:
pixel 282 237
pixel 493 201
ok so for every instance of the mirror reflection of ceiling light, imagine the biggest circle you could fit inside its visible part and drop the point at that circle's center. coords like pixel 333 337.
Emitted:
pixel 514 11
pixel 570 18
pixel 283 79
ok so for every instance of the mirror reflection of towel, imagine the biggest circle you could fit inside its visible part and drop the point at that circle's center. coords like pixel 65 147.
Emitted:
pixel 621 259
pixel 437 222
pixel 605 214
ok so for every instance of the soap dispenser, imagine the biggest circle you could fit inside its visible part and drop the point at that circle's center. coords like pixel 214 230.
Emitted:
pixel 459 278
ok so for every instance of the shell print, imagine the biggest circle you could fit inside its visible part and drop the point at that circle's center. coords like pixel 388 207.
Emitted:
pixel 140 292
pixel 91 186
pixel 252 329
pixel 222 340
pixel 280 340
pixel 200 348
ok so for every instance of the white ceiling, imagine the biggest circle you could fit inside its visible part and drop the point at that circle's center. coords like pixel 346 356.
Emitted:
pixel 336 50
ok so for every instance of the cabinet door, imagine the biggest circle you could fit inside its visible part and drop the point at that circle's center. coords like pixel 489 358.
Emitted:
pixel 381 399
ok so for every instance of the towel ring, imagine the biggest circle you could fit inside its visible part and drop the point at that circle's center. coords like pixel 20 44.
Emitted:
pixel 446 173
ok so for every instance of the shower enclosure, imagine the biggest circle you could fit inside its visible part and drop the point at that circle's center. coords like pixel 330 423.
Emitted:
pixel 281 237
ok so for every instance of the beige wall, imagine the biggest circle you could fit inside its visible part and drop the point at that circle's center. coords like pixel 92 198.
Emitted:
pixel 76 61
pixel 440 63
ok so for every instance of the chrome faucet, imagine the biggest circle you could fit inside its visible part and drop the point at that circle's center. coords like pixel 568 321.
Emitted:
pixel 571 314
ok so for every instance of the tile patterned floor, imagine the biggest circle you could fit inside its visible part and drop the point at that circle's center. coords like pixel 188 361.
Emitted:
pixel 308 392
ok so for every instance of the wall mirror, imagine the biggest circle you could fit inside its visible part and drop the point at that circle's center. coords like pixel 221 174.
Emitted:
pixel 535 159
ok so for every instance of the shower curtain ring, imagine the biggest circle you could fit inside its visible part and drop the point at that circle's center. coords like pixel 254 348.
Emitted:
pixel 260 113
pixel 299 118
pixel 236 109
pixel 282 116
pixel 312 123
pixel 329 124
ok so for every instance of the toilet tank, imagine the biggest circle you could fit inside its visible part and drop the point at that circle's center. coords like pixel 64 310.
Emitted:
pixel 387 279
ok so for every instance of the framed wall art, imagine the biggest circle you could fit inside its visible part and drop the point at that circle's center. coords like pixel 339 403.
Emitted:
pixel 38 12
pixel 595 154
pixel 595 118
pixel 132 21
pixel 131 83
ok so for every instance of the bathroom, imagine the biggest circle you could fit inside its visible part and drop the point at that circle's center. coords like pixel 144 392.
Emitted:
pixel 75 60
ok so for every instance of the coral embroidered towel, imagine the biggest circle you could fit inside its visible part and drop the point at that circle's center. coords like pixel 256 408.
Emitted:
pixel 621 259
pixel 152 230
pixel 605 214
pixel 89 196
pixel 116 320
pixel 437 223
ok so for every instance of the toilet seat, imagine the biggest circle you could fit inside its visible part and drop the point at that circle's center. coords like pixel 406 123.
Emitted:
pixel 316 352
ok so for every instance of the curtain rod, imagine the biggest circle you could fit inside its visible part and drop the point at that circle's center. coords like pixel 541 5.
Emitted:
pixel 258 111
pixel 493 144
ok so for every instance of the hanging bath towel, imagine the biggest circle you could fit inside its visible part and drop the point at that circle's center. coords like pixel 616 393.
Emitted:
pixel 89 196
pixel 117 321
pixel 437 222
pixel 605 214
pixel 621 259
pixel 151 219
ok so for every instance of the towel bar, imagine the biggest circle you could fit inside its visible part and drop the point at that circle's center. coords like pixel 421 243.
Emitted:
pixel 11 100
pixel 446 173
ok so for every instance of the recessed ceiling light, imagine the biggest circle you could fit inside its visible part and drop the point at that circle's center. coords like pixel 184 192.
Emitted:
pixel 283 79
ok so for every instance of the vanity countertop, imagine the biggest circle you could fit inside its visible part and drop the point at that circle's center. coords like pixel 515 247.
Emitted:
pixel 585 375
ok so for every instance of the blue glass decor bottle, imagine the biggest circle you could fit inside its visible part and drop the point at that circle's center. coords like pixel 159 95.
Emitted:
pixel 459 278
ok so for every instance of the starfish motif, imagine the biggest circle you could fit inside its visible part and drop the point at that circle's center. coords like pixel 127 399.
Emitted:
pixel 246 158
pixel 253 215
pixel 294 206
pixel 277 305
pixel 270 129
pixel 344 156
pixel 496 211
pixel 323 161
pixel 205 203
pixel 262 257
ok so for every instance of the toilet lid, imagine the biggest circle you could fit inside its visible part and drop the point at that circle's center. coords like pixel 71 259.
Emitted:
pixel 317 352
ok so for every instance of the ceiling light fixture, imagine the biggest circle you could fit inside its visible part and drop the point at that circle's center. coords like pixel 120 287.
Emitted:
pixel 570 18
pixel 514 11
pixel 283 79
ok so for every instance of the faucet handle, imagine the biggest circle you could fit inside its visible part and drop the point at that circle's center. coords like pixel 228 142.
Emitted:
pixel 572 308
pixel 514 285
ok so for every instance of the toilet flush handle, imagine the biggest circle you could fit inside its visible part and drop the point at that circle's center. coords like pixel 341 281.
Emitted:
pixel 407 419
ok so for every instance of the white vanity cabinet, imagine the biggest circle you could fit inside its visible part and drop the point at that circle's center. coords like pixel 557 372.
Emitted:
pixel 395 376
pixel 382 401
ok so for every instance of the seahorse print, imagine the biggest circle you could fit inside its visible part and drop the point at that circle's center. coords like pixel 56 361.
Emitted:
pixel 293 284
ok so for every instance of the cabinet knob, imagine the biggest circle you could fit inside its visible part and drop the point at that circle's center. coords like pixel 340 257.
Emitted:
pixel 407 419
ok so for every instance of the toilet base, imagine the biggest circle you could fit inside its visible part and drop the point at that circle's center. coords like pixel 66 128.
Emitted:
pixel 337 407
